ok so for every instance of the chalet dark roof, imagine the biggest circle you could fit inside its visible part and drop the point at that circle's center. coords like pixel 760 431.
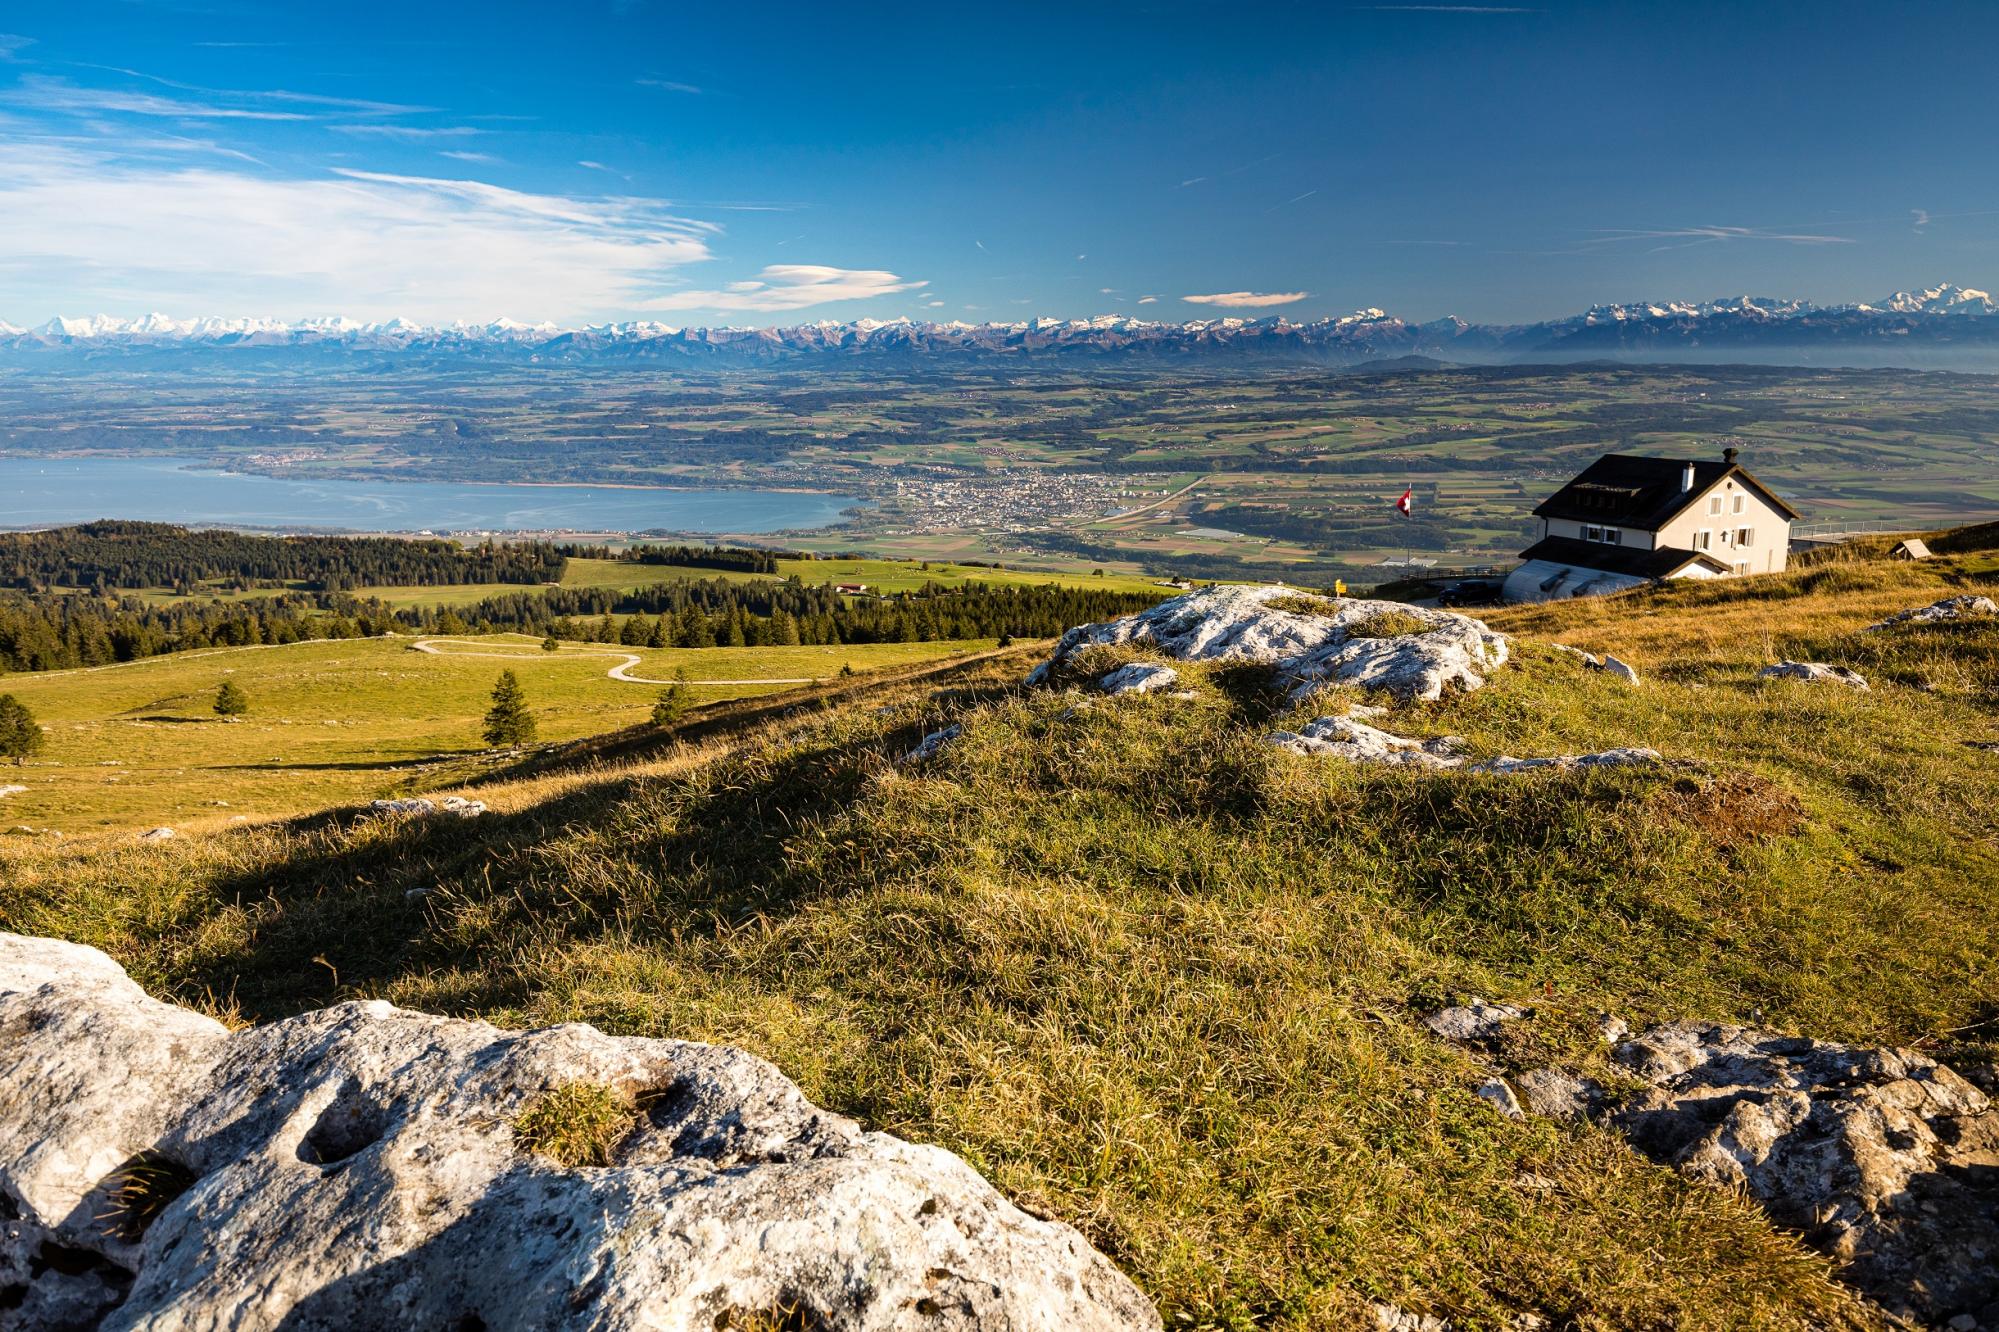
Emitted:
pixel 1630 560
pixel 1625 490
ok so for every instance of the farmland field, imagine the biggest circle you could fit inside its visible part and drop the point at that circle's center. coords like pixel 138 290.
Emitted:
pixel 1263 471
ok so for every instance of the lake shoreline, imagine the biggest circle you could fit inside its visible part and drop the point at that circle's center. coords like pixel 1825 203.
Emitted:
pixel 40 491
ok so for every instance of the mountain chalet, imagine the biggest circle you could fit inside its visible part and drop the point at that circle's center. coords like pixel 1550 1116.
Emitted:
pixel 1627 521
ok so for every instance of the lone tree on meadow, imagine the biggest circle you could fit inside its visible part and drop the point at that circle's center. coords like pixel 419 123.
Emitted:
pixel 230 700
pixel 20 735
pixel 673 700
pixel 508 721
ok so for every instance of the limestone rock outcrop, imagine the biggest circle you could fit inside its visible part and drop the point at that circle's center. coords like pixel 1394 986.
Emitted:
pixel 1884 1159
pixel 930 746
pixel 1473 1022
pixel 421 807
pixel 1410 651
pixel 1962 607
pixel 1814 672
pixel 1140 677
pixel 364 1166
pixel 1357 742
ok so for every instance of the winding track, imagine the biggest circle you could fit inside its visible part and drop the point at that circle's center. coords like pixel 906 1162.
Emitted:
pixel 622 671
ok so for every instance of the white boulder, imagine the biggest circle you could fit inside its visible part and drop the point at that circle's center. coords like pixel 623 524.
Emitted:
pixel 1623 670
pixel 157 835
pixel 1607 758
pixel 930 746
pixel 360 1167
pixel 1140 677
pixel 1950 608
pixel 1306 647
pixel 1473 1022
pixel 1813 672
pixel 412 806
pixel 1357 742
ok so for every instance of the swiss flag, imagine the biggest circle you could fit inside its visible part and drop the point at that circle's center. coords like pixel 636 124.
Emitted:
pixel 1402 506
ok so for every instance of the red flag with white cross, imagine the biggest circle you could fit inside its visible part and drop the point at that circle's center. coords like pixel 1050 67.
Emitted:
pixel 1403 505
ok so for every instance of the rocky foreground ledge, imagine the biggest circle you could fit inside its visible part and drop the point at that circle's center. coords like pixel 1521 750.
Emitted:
pixel 368 1167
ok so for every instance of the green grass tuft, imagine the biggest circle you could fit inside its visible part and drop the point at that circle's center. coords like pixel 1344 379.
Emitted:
pixel 575 1124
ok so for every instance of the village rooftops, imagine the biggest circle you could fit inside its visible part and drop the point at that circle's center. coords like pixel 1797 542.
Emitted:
pixel 1624 490
pixel 1659 562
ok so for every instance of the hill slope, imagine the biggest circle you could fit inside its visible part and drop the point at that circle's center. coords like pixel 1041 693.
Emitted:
pixel 1162 980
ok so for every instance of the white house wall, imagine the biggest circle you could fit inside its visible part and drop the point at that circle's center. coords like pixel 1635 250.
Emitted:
pixel 1769 547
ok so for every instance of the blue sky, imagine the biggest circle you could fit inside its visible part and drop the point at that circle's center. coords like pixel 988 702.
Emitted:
pixel 774 163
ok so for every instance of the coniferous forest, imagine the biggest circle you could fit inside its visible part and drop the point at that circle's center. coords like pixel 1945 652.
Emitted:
pixel 57 631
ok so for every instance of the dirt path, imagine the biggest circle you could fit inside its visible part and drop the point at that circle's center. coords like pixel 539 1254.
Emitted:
pixel 621 671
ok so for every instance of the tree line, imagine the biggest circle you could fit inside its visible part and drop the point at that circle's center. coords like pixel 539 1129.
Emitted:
pixel 110 555
pixel 58 631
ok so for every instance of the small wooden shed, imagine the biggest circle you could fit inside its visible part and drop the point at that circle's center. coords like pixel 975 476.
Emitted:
pixel 1911 548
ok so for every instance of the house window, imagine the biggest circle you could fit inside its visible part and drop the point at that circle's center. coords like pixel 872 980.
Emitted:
pixel 1612 536
pixel 1743 567
pixel 1602 535
pixel 1742 537
pixel 1738 504
pixel 1704 539
pixel 1714 504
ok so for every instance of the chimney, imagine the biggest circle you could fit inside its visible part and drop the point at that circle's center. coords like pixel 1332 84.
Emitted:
pixel 1686 478
pixel 1728 456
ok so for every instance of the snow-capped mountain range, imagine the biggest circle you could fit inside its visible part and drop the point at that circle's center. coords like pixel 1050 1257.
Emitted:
pixel 1942 323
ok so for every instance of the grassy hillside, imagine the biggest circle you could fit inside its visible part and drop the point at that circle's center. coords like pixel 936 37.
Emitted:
pixel 337 721
pixel 1160 979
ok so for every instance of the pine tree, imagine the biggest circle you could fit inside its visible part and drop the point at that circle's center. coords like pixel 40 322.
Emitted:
pixel 673 700
pixel 20 737
pixel 508 721
pixel 230 700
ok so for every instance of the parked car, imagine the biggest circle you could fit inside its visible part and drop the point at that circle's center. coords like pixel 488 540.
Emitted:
pixel 1470 592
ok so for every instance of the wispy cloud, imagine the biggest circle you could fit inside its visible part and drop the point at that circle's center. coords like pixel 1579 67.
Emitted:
pixel 460 155
pixel 588 165
pixel 1246 300
pixel 1920 218
pixel 790 287
pixel 86 228
pixel 669 85
pixel 1148 300
pixel 1296 198
pixel 41 93
pixel 412 133
pixel 1677 238
pixel 12 44
pixel 342 105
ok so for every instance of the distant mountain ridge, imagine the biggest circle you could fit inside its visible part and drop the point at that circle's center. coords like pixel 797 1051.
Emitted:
pixel 1943 325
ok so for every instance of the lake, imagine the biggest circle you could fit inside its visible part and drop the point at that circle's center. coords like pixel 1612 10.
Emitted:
pixel 43 492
